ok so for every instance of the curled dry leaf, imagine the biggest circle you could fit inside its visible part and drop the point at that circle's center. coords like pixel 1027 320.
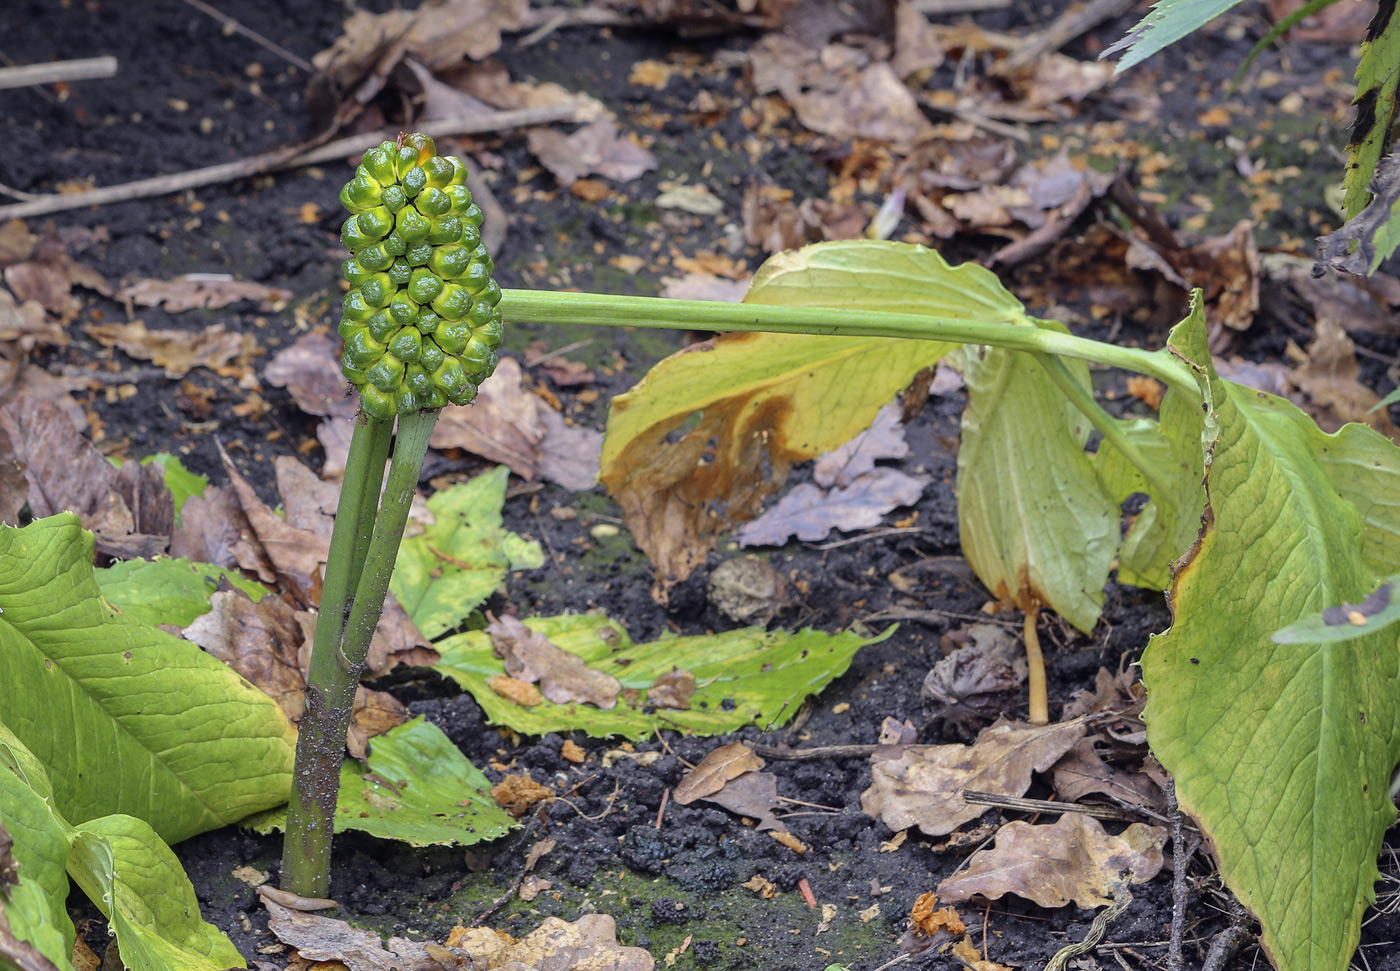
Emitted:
pixel 969 688
pixel 715 770
pixel 202 291
pixel 295 554
pixel 563 677
pixel 177 351
pixel 598 148
pixel 517 793
pixel 928 919
pixel 261 641
pixel 46 274
pixel 1082 771
pixel 308 369
pixel 753 794
pixel 672 690
pixel 27 325
pixel 924 786
pixel 1073 860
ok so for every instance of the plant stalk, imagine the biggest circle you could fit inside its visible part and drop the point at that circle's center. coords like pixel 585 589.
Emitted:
pixel 659 312
pixel 1109 427
pixel 1035 664
pixel 363 549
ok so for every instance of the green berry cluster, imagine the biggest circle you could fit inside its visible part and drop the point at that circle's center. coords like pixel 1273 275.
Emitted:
pixel 420 320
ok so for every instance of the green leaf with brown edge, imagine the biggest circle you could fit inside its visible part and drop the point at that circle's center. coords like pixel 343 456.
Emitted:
pixel 415 786
pixel 744 677
pixel 1283 753
pixel 185 743
pixel 746 407
pixel 1376 108
pixel 1034 521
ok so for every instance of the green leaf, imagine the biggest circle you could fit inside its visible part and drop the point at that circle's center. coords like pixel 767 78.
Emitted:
pixel 126 869
pixel 1376 80
pixel 37 910
pixel 1035 523
pixel 449 569
pixel 416 787
pixel 1282 752
pixel 693 449
pixel 1167 23
pixel 1346 622
pixel 184 742
pixel 1166 527
pixel 166 591
pixel 743 677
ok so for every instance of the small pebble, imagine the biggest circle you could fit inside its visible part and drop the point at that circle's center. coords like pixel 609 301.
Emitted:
pixel 604 531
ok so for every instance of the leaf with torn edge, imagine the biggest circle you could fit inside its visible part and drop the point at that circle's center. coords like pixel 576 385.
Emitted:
pixel 715 769
pixel 177 351
pixel 563 677
pixel 202 291
pixel 596 148
pixel 1071 860
pixel 924 786
pixel 753 794
pixel 310 372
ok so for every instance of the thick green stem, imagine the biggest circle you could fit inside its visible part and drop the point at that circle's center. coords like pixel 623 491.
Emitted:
pixel 369 509
pixel 1108 426
pixel 306 849
pixel 603 309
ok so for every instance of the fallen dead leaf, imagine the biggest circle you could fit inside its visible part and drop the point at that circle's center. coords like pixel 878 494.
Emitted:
pixel 1330 376
pixel 715 770
pixel 753 794
pixel 295 554
pixel 504 424
pixel 598 148
pixel 532 886
pixel 569 454
pixel 809 512
pixel 573 752
pixel 46 274
pixel 1072 860
pixel 704 286
pixel 587 944
pixel 1082 771
pixel 884 439
pixel 563 677
pixel 971 957
pixel 310 371
pixel 924 786
pixel 213 530
pixel 261 641
pixel 762 886
pixel 672 690
pixel 177 351
pixel 523 693
pixel 27 325
pixel 202 291
pixel 927 918
pixel 970 687
pixel 517 793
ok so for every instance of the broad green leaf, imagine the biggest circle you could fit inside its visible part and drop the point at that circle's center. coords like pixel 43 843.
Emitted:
pixel 1165 24
pixel 181 482
pixel 693 449
pixel 126 718
pixel 1346 622
pixel 1035 523
pixel 448 570
pixel 416 787
pixel 1282 752
pixel 38 912
pixel 1166 527
pixel 743 677
pixel 1377 74
pixel 126 869
pixel 166 591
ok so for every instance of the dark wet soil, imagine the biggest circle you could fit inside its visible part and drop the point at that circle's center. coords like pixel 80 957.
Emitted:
pixel 189 95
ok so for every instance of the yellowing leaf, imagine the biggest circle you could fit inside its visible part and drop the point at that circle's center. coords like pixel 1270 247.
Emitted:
pixel 752 405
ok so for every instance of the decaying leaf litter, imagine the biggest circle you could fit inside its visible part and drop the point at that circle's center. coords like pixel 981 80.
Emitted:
pixel 758 124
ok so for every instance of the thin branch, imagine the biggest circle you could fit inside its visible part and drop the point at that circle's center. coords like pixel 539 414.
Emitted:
pixel 1064 29
pixel 942 8
pixel 974 798
pixel 782 753
pixel 253 36
pixel 83 69
pixel 283 158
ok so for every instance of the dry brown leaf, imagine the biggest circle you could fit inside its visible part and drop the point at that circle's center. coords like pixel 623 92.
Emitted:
pixel 715 770
pixel 838 91
pixel 569 454
pixel 373 713
pixel 334 435
pixel 202 291
pixel 318 938
pixel 504 423
pixel 47 275
pixel 27 325
pixel 884 439
pixel 177 351
pixel 309 369
pixel 1082 771
pixel 518 793
pixel 810 512
pixel 704 286
pixel 970 687
pixel 927 918
pixel 916 44
pixel 1122 693
pixel 753 794
pixel 672 690
pixel 1072 860
pixel 572 751
pixel 762 886
pixel 523 693
pixel 16 242
pixel 21 380
pixel 598 148
pixel 563 677
pixel 213 530
pixel 588 944
pixel 1329 375
pixel 295 554
pixel 261 641
pixel 924 786
pixel 970 957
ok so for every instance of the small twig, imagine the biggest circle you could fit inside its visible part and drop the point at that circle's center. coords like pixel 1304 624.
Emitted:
pixel 999 128
pixel 253 36
pixel 873 534
pixel 665 798
pixel 1227 943
pixel 1064 29
pixel 504 898
pixel 941 8
pixel 282 158
pixel 83 69
pixel 975 798
pixel 546 21
pixel 813 805
pixel 783 753
pixel 1181 860
pixel 806 889
pixel 559 353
